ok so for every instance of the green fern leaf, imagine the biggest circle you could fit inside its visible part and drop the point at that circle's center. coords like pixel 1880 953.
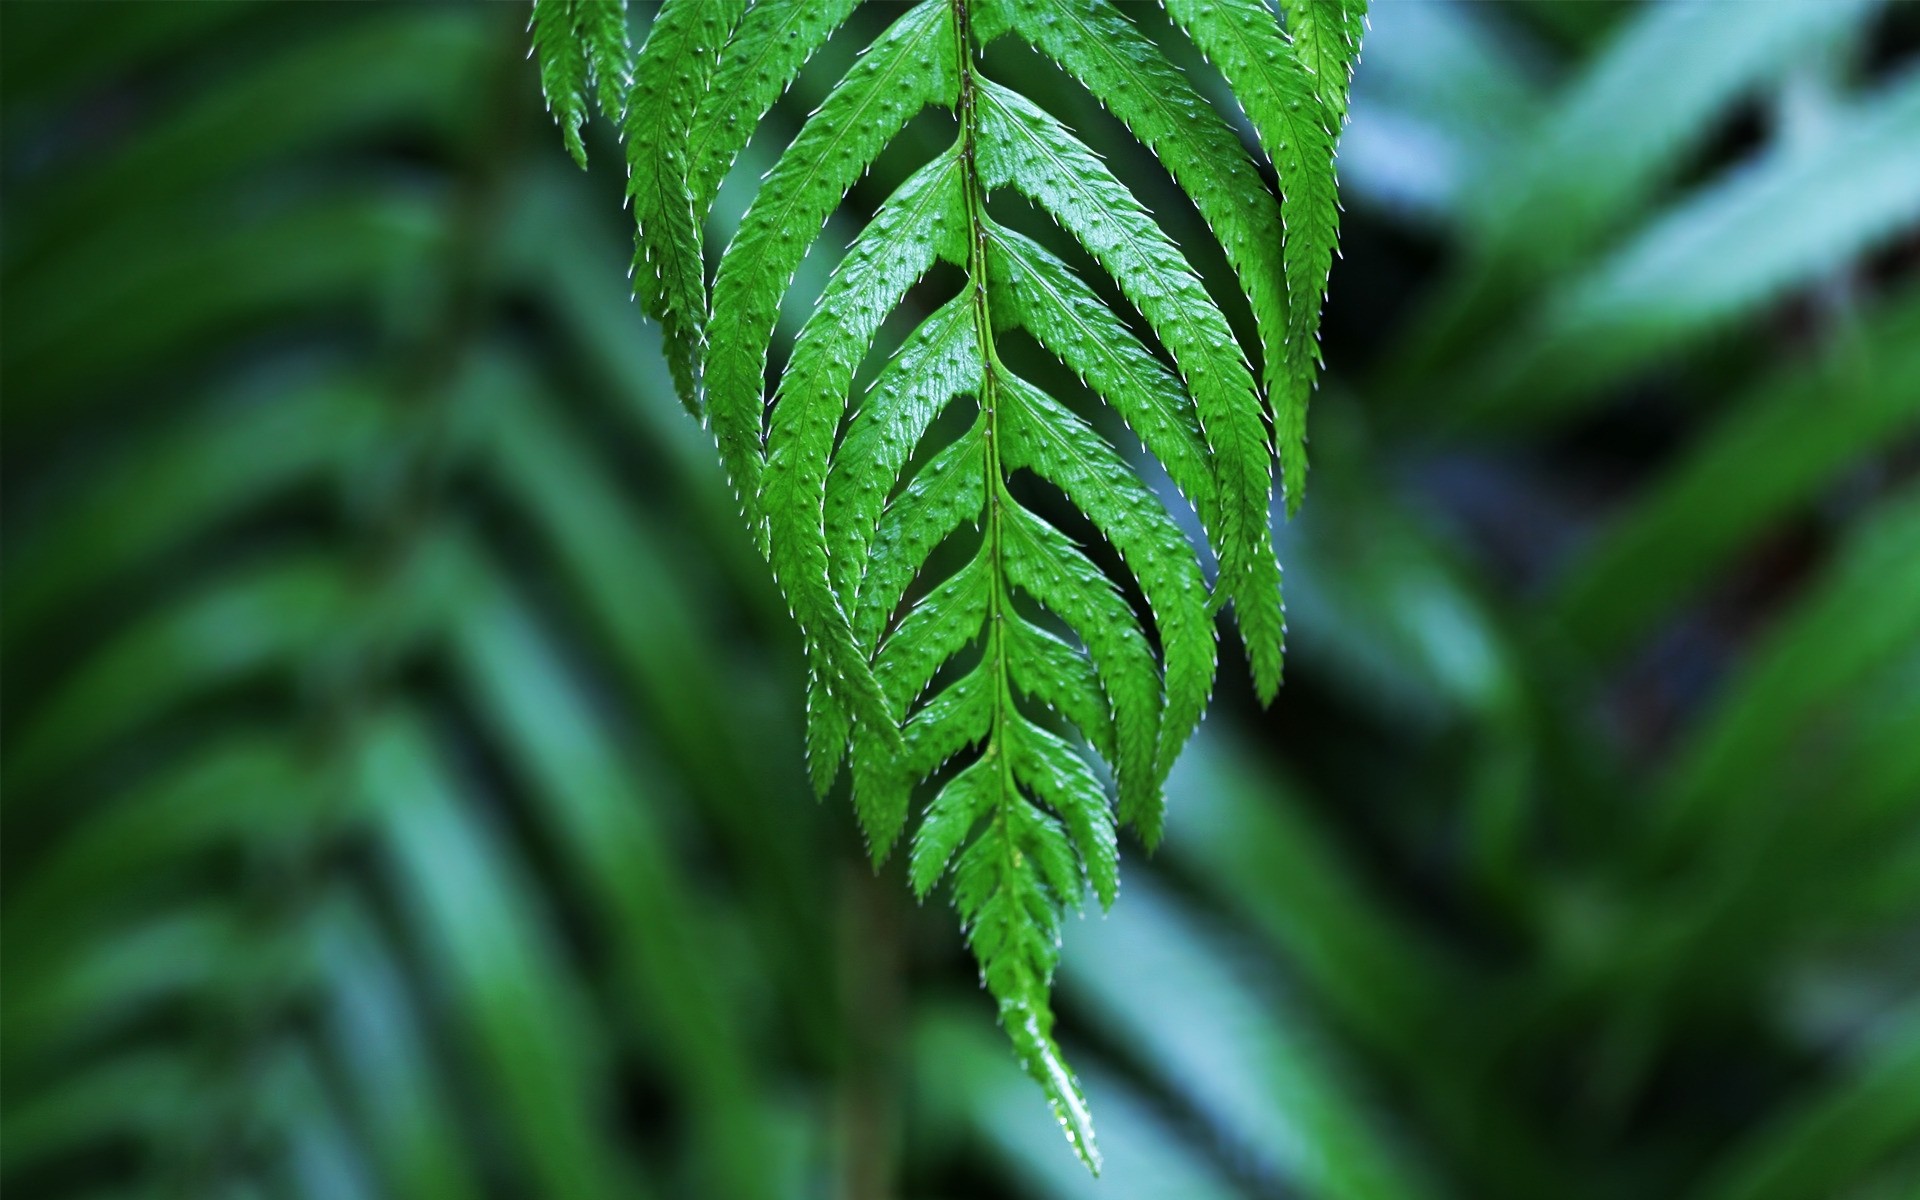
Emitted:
pixel 1035 291
pixel 894 251
pixel 968 799
pixel 938 628
pixel 1050 440
pixel 1062 679
pixel 603 30
pixel 1294 111
pixel 1049 767
pixel 906 673
pixel 1028 150
pixel 1129 75
pixel 1009 887
pixel 582 49
pixel 761 62
pixel 563 72
pixel 1041 561
pixel 941 363
pixel 911 65
pixel 673 72
pixel 1326 38
pixel 774 41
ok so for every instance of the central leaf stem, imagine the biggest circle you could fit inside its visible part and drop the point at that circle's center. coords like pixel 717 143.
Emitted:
pixel 998 600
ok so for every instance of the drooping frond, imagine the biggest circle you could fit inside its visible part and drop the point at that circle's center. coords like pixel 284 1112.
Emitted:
pixel 401 796
pixel 982 678
pixel 1326 35
pixel 1027 150
pixel 584 58
pixel 1130 76
pixel 670 79
pixel 1296 105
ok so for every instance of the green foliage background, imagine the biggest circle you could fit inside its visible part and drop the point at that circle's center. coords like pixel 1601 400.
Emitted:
pixel 402 755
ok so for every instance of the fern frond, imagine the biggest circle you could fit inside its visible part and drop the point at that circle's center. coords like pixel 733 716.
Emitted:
pixel 939 363
pixel 925 215
pixel 1009 887
pixel 1295 104
pixel 946 493
pixel 669 81
pixel 1326 37
pixel 763 57
pixel 1038 293
pixel 583 53
pixel 908 67
pixel 1097 45
pixel 908 674
pixel 1026 149
pixel 1057 445
pixel 1046 565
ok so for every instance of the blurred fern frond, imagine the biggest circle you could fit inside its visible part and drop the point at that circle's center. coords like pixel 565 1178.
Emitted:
pixel 241 793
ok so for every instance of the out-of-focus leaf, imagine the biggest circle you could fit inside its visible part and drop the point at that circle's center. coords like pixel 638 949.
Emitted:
pixel 1770 453
pixel 128 1097
pixel 636 589
pixel 166 823
pixel 1605 145
pixel 1387 614
pixel 599 802
pixel 397 70
pixel 61 49
pixel 139 294
pixel 373 1030
pixel 1866 609
pixel 497 965
pixel 263 616
pixel 1160 982
pixel 1783 222
pixel 625 569
pixel 286 613
pixel 1660 87
pixel 323 1160
pixel 578 276
pixel 1241 828
pixel 180 485
pixel 1840 1132
pixel 1448 88
pixel 106 983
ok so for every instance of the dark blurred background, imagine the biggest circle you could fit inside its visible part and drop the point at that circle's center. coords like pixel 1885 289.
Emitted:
pixel 402 757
